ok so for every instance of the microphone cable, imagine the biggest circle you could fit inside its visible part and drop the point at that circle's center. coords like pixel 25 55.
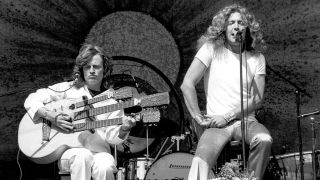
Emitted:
pixel 20 169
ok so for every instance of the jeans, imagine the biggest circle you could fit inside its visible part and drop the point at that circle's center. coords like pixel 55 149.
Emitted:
pixel 213 140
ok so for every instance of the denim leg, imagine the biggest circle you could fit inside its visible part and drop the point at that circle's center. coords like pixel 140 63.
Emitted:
pixel 208 150
pixel 260 142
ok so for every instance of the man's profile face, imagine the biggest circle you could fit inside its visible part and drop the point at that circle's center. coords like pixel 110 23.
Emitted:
pixel 93 72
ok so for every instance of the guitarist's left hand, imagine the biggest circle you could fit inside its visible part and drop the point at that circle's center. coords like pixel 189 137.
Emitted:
pixel 128 123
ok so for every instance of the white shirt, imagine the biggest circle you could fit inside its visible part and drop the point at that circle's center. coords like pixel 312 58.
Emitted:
pixel 222 78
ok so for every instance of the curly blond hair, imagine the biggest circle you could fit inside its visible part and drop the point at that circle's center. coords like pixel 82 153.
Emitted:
pixel 86 53
pixel 216 31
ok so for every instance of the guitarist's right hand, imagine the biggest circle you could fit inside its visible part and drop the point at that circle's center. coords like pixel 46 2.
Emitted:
pixel 64 121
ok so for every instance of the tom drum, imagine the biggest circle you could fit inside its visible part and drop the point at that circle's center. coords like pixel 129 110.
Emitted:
pixel 137 168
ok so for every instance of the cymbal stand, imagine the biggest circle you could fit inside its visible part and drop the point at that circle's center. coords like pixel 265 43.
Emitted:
pixel 147 164
pixel 313 148
pixel 313 139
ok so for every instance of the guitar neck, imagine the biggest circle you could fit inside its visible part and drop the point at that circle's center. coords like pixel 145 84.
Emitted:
pixel 92 101
pixel 96 124
pixel 101 110
pixel 146 101
pixel 119 94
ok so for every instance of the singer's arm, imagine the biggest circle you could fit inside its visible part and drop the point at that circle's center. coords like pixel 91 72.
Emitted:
pixel 188 87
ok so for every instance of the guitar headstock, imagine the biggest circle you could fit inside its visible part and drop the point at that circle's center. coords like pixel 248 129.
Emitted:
pixel 123 93
pixel 150 115
pixel 157 99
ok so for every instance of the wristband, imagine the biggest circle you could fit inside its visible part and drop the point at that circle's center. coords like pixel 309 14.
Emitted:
pixel 229 117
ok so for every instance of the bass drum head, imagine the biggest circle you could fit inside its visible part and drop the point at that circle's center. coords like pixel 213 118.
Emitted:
pixel 171 166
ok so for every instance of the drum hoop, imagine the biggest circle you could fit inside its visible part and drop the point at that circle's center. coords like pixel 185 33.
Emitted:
pixel 283 156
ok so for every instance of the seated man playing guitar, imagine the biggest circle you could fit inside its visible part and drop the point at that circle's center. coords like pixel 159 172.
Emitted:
pixel 90 157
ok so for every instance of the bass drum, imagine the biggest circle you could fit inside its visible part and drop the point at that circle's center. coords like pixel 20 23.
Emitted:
pixel 171 166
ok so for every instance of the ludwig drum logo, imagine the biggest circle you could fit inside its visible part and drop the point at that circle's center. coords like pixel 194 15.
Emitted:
pixel 179 166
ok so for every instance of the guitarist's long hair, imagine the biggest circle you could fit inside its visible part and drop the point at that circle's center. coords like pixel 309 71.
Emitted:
pixel 86 53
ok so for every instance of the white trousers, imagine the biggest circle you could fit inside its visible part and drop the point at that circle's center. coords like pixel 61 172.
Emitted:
pixel 84 164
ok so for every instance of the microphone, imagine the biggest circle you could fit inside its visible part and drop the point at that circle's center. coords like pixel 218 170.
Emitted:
pixel 239 35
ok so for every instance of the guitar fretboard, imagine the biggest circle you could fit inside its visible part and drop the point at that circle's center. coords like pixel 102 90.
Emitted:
pixel 92 101
pixel 101 110
pixel 120 94
pixel 96 124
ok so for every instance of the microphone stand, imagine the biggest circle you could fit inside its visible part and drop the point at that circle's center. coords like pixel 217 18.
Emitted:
pixel 298 92
pixel 243 123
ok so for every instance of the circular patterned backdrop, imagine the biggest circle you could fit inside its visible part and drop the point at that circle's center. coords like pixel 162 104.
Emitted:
pixel 138 35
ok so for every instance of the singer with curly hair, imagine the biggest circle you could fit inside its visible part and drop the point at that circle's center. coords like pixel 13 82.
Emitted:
pixel 234 32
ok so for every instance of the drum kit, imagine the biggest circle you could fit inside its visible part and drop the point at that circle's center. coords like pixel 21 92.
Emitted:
pixel 167 163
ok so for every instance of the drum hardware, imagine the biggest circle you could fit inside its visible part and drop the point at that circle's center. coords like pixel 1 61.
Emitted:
pixel 313 139
pixel 174 140
pixel 121 173
pixel 137 167
pixel 162 146
pixel 273 170
pixel 313 148
pixel 178 139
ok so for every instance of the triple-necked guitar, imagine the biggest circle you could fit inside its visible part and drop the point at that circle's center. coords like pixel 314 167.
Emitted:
pixel 44 142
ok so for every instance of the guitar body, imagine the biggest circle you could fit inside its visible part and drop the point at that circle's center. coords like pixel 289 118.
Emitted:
pixel 30 137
